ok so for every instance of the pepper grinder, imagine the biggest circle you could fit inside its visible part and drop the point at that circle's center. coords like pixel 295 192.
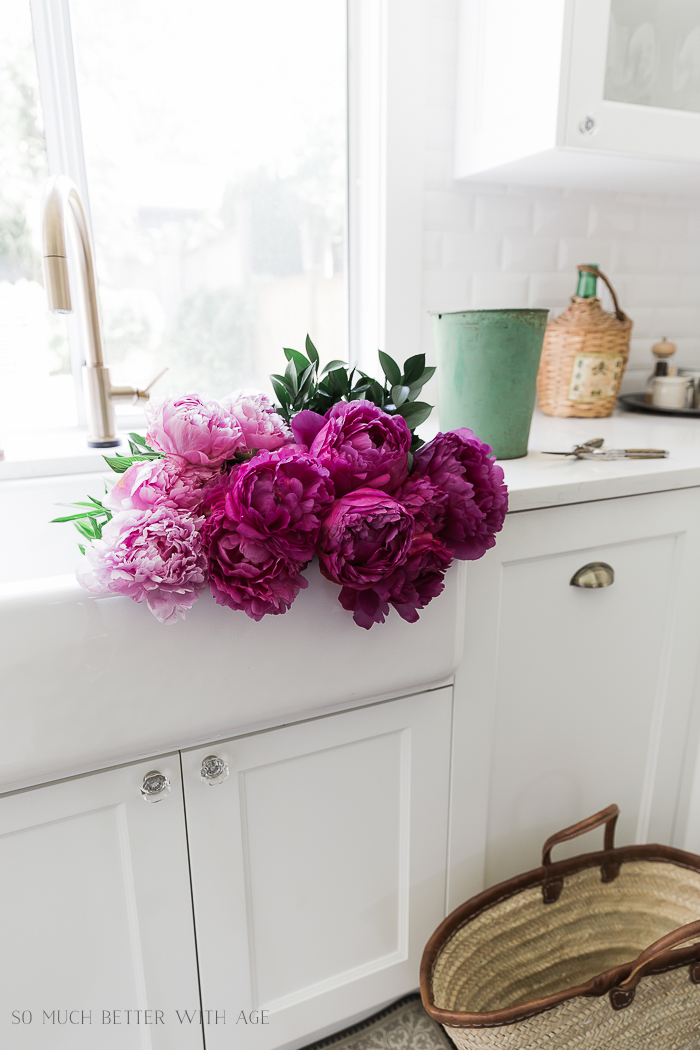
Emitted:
pixel 661 351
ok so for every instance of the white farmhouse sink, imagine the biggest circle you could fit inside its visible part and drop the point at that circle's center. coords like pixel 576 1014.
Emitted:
pixel 86 682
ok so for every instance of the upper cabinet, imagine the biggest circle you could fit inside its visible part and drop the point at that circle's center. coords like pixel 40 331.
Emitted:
pixel 594 94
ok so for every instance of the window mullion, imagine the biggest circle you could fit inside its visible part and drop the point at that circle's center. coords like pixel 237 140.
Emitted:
pixel 64 142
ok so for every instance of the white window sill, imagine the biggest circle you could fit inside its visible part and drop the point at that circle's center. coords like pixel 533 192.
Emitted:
pixel 37 454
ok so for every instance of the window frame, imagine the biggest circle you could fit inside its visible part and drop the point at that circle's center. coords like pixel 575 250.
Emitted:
pixel 385 168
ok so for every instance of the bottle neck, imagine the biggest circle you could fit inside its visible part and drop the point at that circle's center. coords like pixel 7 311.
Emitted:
pixel 587 283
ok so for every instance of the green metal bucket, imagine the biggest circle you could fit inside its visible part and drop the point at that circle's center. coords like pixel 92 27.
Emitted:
pixel 487 370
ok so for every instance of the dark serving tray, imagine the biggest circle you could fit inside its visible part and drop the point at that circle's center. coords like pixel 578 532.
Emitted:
pixel 636 403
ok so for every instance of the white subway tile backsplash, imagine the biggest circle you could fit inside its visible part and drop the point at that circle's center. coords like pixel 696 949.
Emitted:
pixel 665 224
pixel 561 218
pixel 612 219
pixel 530 253
pixel 498 215
pixel 635 256
pixel 682 257
pixel 448 211
pixel 432 250
pixel 551 291
pixel 447 290
pixel 576 250
pixel 500 291
pixel 473 252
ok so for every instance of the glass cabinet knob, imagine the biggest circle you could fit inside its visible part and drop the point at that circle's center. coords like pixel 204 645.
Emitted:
pixel 155 786
pixel 214 770
pixel 588 125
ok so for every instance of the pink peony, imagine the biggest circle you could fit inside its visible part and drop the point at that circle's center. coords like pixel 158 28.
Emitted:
pixel 461 466
pixel 151 556
pixel 409 588
pixel 363 447
pixel 201 433
pixel 158 482
pixel 243 573
pixel 261 426
pixel 366 535
pixel 278 500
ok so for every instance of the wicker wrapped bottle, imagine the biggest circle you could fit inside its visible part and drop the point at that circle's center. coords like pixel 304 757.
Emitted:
pixel 584 354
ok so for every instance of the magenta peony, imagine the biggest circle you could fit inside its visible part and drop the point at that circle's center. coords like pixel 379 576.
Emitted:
pixel 261 426
pixel 458 464
pixel 152 556
pixel 243 573
pixel 158 482
pixel 279 499
pixel 363 447
pixel 426 502
pixel 410 587
pixel 201 433
pixel 306 425
pixel 366 535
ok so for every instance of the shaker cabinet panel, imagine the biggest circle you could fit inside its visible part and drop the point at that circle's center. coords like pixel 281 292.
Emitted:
pixel 579 696
pixel 318 866
pixel 96 916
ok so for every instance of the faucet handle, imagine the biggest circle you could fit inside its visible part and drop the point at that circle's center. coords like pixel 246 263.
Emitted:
pixel 133 395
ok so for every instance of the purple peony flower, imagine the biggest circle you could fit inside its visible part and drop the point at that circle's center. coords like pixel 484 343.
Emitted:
pixel 261 426
pixel 410 587
pixel 363 447
pixel 153 556
pixel 279 499
pixel 460 465
pixel 202 433
pixel 158 482
pixel 243 573
pixel 426 502
pixel 366 535
pixel 306 425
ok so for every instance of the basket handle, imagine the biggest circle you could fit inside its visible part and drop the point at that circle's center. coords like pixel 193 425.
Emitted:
pixel 552 886
pixel 620 314
pixel 624 993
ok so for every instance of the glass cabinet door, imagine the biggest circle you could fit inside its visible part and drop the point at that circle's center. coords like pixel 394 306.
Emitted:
pixel 653 54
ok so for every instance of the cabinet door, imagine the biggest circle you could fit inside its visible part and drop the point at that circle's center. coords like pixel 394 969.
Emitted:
pixel 633 69
pixel 318 867
pixel 96 931
pixel 570 699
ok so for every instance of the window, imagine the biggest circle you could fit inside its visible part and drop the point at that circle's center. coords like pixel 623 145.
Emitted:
pixel 211 144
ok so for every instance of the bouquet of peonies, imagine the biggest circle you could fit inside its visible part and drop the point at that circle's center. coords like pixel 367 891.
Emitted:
pixel 241 494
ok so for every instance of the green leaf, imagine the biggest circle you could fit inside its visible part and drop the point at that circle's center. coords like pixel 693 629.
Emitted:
pixel 333 365
pixel 390 368
pixel 290 374
pixel 299 360
pixel 311 350
pixel 413 368
pixel 416 387
pixel 306 382
pixel 415 413
pixel 81 548
pixel 119 464
pixel 399 394
pixel 375 393
pixel 338 382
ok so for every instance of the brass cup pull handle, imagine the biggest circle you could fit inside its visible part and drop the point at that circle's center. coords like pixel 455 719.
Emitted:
pixel 594 574
pixel 155 787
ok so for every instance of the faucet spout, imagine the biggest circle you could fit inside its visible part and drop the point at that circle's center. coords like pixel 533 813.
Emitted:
pixel 62 204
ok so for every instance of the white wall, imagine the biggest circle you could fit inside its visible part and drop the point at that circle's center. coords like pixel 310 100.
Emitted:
pixel 508 246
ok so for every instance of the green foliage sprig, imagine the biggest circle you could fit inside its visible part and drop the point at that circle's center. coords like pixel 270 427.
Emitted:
pixel 91 522
pixel 305 385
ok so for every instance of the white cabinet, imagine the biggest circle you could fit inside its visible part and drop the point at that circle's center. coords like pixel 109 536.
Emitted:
pixel 570 699
pixel 591 93
pixel 318 867
pixel 96 916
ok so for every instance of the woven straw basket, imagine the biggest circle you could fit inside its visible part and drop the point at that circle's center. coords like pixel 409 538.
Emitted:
pixel 574 954
pixel 584 354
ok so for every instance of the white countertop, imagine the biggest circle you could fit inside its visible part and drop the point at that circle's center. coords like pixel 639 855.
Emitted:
pixel 539 480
